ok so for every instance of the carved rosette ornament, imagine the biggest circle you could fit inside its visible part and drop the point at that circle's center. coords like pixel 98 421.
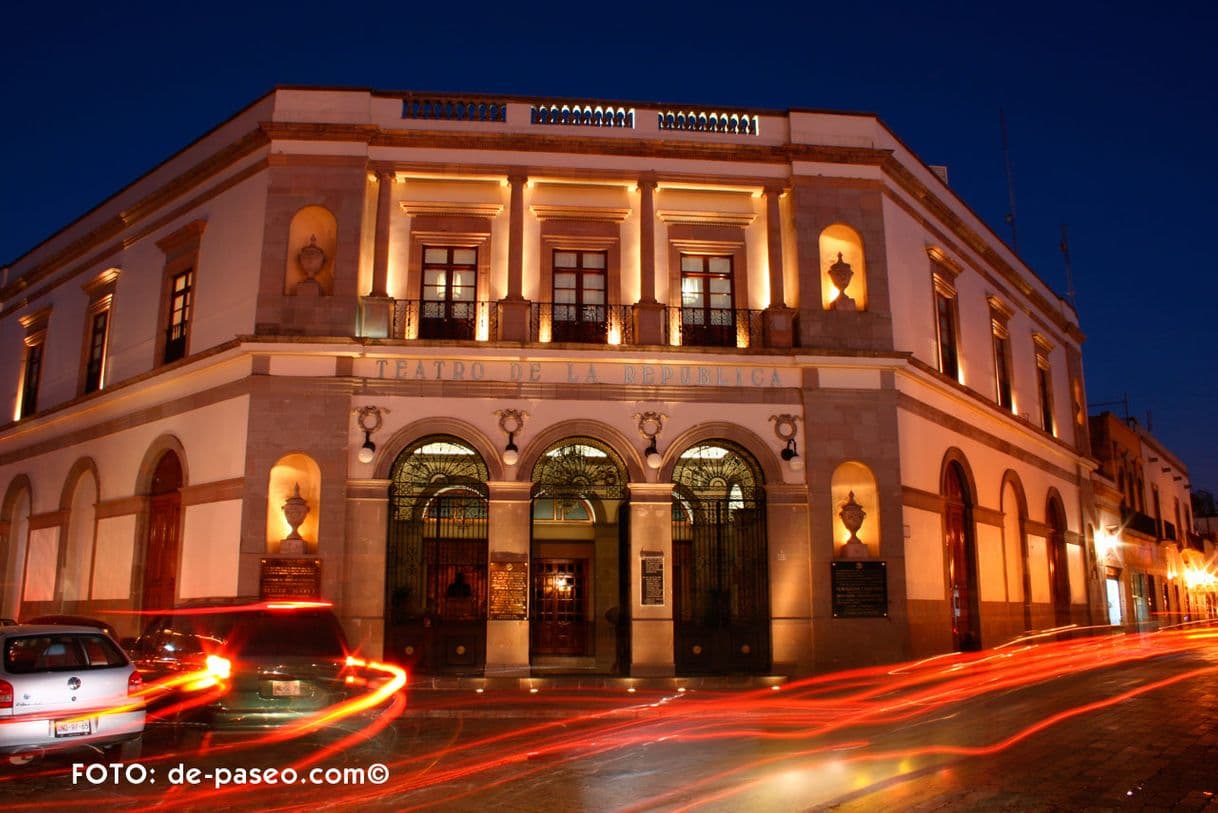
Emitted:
pixel 295 509
pixel 312 258
pixel 841 273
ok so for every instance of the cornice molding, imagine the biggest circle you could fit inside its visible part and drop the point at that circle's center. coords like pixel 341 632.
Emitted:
pixel 426 207
pixel 675 216
pixel 602 213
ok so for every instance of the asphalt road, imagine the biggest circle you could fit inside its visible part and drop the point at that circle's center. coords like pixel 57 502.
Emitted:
pixel 1128 723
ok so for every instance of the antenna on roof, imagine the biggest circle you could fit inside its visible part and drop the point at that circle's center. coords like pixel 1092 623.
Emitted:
pixel 1065 247
pixel 1006 159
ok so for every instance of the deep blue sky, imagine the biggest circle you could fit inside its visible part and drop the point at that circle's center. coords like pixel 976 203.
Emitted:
pixel 1111 112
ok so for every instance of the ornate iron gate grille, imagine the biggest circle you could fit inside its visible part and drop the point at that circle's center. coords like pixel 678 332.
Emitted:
pixel 720 565
pixel 436 559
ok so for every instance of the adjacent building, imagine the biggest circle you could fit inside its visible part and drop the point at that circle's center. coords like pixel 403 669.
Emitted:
pixel 526 385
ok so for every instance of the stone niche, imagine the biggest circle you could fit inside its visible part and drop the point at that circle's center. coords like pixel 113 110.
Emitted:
pixel 856 512
pixel 843 269
pixel 294 479
pixel 312 244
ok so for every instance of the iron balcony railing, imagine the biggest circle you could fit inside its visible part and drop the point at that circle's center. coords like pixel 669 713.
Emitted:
pixel 715 327
pixel 582 324
pixel 425 319
pixel 1141 523
pixel 587 324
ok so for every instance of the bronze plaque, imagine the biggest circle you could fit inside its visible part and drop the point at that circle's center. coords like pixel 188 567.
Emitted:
pixel 509 589
pixel 652 592
pixel 860 589
pixel 290 579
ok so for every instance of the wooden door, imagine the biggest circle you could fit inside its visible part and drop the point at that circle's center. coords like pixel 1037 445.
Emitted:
pixel 560 619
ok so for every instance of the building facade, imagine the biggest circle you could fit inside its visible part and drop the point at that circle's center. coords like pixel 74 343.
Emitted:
pixel 1156 569
pixel 524 385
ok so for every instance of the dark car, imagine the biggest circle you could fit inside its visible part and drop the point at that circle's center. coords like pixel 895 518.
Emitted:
pixel 283 663
pixel 74 621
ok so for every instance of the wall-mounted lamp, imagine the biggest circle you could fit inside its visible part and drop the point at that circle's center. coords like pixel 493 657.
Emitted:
pixel 786 427
pixel 369 420
pixel 650 425
pixel 510 421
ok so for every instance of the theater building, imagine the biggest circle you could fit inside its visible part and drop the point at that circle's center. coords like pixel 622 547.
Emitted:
pixel 524 386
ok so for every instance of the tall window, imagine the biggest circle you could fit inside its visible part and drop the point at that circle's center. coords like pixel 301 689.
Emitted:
pixel 708 316
pixel 999 320
pixel 95 356
pixel 181 287
pixel 945 321
pixel 1044 384
pixel 449 286
pixel 178 289
pixel 579 296
pixel 35 325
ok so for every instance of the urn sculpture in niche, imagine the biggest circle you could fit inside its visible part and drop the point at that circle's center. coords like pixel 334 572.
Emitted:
pixel 294 511
pixel 841 273
pixel 312 259
pixel 852 516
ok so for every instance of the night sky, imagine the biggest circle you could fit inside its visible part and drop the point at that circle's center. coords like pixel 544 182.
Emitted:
pixel 1112 117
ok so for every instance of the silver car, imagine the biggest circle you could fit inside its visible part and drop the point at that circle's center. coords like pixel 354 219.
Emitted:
pixel 67 687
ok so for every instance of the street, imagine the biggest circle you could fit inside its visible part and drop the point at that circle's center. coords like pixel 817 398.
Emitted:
pixel 1126 722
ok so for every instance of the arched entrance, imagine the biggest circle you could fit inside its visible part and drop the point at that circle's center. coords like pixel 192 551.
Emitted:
pixel 436 560
pixel 961 560
pixel 576 616
pixel 721 593
pixel 161 549
pixel 1059 563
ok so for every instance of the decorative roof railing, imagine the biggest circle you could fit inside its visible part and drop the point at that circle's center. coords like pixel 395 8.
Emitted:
pixel 582 115
pixel 451 109
pixel 708 121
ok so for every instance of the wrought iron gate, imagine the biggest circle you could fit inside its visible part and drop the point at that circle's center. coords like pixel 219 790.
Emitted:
pixel 721 587
pixel 437 586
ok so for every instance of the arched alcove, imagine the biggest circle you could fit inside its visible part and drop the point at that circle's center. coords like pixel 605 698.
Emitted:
pixel 290 472
pixel 843 269
pixel 16 523
pixel 312 244
pixel 853 483
pixel 76 561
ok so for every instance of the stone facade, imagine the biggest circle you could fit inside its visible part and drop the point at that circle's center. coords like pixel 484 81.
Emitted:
pixel 581 273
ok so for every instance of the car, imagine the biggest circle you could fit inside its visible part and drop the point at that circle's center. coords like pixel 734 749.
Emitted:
pixel 274 664
pixel 75 621
pixel 65 688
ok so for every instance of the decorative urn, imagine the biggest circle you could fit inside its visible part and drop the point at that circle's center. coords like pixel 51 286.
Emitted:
pixel 311 258
pixel 841 273
pixel 295 509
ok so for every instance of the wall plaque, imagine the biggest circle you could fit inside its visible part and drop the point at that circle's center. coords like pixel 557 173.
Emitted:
pixel 283 578
pixel 860 589
pixel 509 587
pixel 652 592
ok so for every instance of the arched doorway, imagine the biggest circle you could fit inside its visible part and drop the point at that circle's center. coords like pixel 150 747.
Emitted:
pixel 961 559
pixel 577 617
pixel 1059 563
pixel 721 593
pixel 436 560
pixel 161 549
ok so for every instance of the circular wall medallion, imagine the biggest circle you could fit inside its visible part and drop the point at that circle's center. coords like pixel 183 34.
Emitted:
pixel 697 649
pixel 745 649
pixel 409 650
pixel 460 650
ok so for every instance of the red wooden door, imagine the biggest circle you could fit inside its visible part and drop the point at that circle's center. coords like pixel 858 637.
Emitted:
pixel 559 599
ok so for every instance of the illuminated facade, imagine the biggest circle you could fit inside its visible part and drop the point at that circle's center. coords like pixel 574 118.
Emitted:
pixel 527 386
pixel 1155 568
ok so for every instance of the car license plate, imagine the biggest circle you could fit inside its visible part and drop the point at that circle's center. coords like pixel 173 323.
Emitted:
pixel 285 688
pixel 73 728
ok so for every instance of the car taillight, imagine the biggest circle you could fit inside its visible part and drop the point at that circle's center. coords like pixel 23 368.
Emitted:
pixel 135 684
pixel 6 694
pixel 219 667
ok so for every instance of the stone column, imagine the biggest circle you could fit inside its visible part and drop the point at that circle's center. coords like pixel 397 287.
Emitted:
pixel 790 565
pixel 508 516
pixel 514 308
pixel 648 313
pixel 377 310
pixel 651 631
pixel 778 321
pixel 363 587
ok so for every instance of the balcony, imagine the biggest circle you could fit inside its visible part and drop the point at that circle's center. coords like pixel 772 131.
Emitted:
pixel 587 324
pixel 550 322
pixel 461 321
pixel 1140 523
